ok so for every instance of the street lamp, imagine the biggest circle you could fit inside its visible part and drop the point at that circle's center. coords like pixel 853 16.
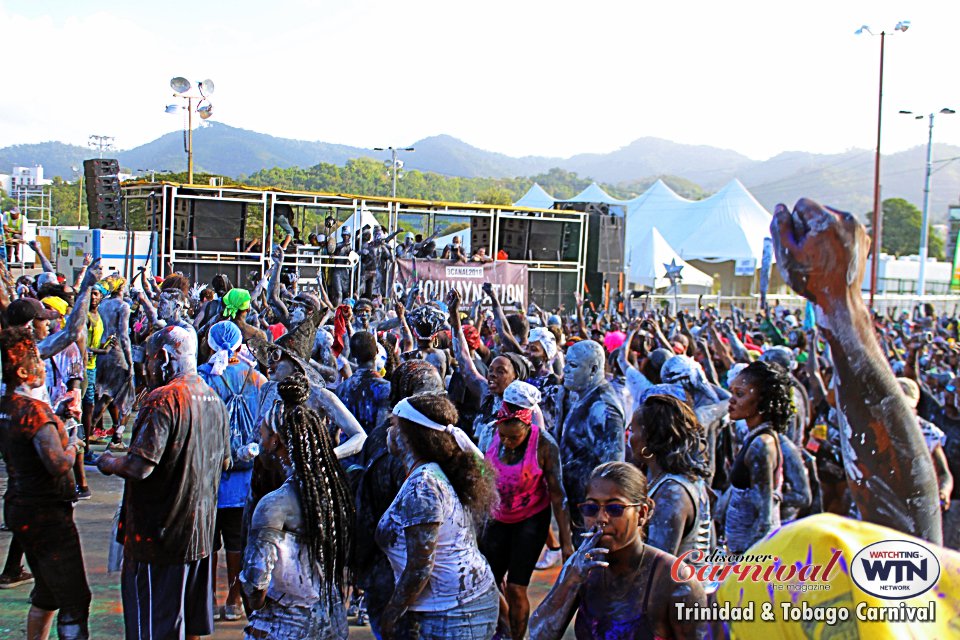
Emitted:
pixel 876 222
pixel 924 220
pixel 393 164
pixel 204 109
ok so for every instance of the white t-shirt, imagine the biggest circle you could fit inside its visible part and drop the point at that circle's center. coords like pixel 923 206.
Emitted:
pixel 460 573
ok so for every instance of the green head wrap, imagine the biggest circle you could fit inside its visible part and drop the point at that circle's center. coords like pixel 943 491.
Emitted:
pixel 235 300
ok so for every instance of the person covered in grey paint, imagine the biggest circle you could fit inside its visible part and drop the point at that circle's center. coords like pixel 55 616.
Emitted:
pixel 593 428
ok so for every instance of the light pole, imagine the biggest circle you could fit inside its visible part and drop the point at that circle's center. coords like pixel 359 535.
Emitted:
pixel 924 219
pixel 876 221
pixel 204 109
pixel 100 143
pixel 394 164
pixel 79 173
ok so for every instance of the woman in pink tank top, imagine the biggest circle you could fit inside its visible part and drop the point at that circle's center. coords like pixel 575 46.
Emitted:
pixel 527 462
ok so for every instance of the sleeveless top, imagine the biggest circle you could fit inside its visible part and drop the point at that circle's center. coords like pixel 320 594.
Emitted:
pixel 522 487
pixel 592 626
pixel 741 524
pixel 700 536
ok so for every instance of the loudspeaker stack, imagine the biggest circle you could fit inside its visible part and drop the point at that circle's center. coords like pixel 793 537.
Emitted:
pixel 103 193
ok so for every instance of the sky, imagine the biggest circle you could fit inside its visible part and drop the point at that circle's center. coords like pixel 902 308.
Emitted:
pixel 522 77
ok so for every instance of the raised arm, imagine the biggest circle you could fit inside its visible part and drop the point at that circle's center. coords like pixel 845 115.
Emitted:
pixel 818 389
pixel 625 354
pixel 47 267
pixel 149 309
pixel 581 325
pixel 507 339
pixel 76 322
pixel 407 342
pixel 736 345
pixel 471 377
pixel 273 290
pixel 821 253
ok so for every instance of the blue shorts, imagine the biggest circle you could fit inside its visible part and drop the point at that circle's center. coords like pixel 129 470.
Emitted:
pixel 90 395
pixel 167 600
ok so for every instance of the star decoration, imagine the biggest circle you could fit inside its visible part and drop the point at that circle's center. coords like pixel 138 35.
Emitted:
pixel 673 271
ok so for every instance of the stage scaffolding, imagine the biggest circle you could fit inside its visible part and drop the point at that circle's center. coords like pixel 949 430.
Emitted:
pixel 203 230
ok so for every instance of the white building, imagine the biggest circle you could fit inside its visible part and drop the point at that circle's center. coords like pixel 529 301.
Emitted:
pixel 27 178
pixel 900 275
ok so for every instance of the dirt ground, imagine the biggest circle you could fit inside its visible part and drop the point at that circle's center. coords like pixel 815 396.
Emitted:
pixel 94 519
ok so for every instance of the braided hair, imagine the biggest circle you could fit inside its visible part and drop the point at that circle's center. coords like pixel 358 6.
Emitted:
pixel 775 391
pixel 325 500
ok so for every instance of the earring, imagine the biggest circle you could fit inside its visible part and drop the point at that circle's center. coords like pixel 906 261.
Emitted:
pixel 645 453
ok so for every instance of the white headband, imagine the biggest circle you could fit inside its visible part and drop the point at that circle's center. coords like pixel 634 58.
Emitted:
pixel 407 411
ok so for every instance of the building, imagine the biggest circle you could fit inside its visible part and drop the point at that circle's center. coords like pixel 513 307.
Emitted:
pixel 26 178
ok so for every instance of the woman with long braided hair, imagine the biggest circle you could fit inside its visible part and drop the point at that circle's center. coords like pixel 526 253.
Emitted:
pixel 296 556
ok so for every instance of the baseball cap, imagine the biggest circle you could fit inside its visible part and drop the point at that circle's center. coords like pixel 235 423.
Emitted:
pixel 25 310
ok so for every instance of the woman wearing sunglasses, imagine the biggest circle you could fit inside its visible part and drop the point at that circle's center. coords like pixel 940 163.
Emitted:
pixel 667 438
pixel 619 587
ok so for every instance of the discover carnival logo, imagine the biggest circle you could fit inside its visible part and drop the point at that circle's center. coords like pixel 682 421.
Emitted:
pixel 895 569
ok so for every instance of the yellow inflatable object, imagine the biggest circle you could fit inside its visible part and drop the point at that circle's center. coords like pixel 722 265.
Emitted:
pixel 840 607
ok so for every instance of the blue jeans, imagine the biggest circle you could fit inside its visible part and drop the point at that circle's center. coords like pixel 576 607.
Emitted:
pixel 475 620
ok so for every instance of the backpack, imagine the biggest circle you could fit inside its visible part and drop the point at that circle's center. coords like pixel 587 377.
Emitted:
pixel 243 424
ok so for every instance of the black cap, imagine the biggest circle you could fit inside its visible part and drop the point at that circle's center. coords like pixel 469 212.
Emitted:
pixel 25 310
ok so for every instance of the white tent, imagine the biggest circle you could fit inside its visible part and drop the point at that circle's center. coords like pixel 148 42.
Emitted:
pixel 536 198
pixel 594 193
pixel 647 260
pixel 729 225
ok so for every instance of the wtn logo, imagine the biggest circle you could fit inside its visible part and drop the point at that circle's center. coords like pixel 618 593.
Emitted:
pixel 902 569
pixel 895 569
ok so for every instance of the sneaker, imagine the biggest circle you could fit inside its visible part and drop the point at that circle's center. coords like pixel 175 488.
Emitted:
pixel 90 459
pixel 549 558
pixel 119 447
pixel 83 493
pixel 232 612
pixel 11 582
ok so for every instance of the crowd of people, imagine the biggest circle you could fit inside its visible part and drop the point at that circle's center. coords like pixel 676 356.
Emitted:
pixel 413 462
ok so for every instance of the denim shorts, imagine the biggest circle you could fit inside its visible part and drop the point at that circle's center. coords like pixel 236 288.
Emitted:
pixel 475 620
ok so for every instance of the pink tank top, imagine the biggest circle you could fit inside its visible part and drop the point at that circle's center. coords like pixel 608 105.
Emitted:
pixel 522 487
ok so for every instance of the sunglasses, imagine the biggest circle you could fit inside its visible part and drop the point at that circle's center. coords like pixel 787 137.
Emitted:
pixel 613 509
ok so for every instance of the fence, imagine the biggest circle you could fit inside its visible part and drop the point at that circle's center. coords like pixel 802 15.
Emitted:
pixel 887 303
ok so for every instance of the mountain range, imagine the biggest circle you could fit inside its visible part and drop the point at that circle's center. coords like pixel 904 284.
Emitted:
pixel 843 180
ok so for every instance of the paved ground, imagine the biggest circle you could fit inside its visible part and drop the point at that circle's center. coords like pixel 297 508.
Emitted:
pixel 94 518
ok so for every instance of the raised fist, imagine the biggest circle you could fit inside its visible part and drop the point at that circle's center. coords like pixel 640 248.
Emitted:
pixel 820 252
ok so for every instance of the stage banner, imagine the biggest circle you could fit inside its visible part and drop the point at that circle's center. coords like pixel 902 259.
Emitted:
pixel 437 277
pixel 955 280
